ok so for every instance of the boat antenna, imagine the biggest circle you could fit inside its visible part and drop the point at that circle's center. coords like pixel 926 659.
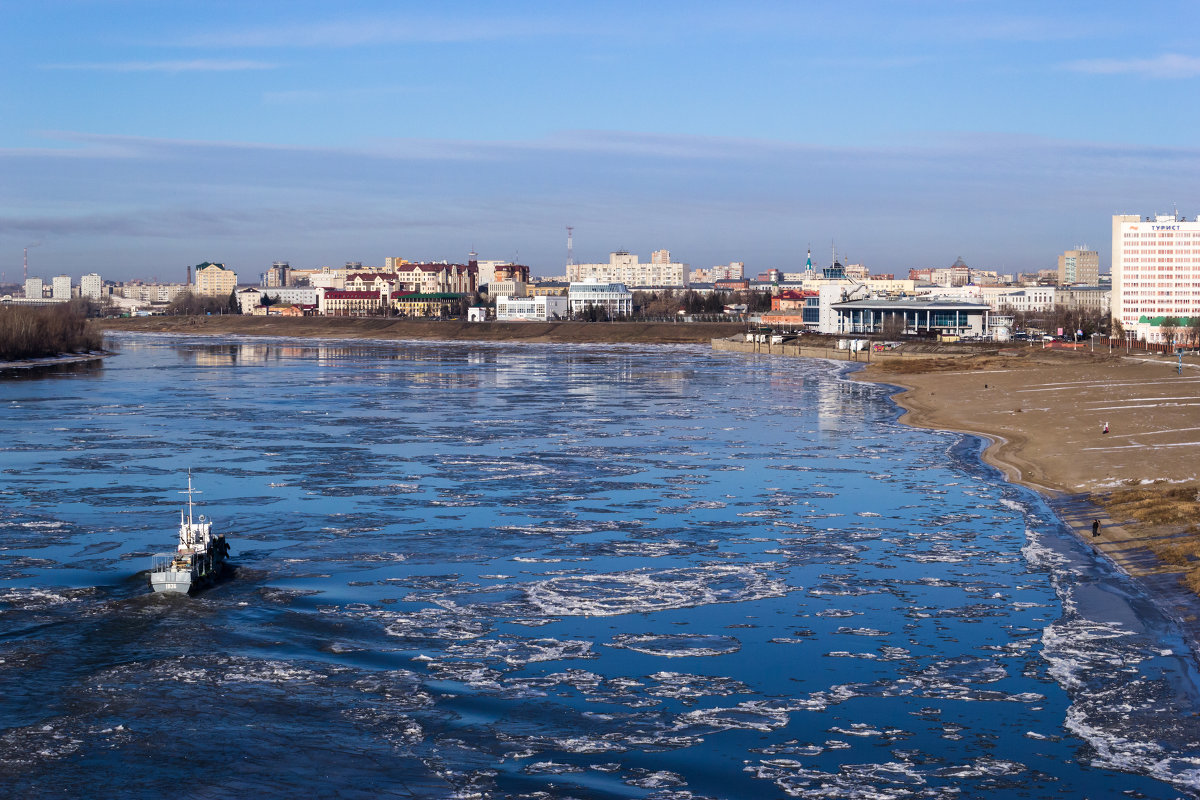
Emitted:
pixel 190 491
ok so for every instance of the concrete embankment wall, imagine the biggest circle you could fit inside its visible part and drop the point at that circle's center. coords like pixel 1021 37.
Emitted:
pixel 809 351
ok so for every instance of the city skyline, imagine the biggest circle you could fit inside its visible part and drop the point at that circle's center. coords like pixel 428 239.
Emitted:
pixel 139 138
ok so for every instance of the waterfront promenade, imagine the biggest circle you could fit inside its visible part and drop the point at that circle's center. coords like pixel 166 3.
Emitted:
pixel 824 347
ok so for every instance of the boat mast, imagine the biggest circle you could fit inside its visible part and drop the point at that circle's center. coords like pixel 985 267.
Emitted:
pixel 187 532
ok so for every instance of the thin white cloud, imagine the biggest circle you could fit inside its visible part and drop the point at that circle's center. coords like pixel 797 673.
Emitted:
pixel 311 96
pixel 870 62
pixel 923 149
pixel 633 144
pixel 81 145
pixel 193 65
pixel 362 32
pixel 872 20
pixel 78 146
pixel 1168 65
pixel 1023 28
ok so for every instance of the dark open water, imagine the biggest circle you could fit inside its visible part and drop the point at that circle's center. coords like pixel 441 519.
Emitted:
pixel 549 571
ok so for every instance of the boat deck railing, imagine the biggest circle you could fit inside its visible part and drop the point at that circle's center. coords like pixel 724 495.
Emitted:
pixel 165 562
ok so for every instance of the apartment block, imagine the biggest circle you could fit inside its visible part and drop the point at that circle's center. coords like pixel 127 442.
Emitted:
pixel 1155 267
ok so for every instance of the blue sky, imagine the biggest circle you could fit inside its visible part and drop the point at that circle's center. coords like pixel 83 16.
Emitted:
pixel 139 137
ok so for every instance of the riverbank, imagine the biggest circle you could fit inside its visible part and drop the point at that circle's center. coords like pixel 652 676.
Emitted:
pixel 1045 415
pixel 825 347
pixel 397 329
pixel 1061 422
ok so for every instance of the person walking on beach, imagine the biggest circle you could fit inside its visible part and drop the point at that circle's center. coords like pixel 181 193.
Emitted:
pixel 1095 527
pixel 1106 427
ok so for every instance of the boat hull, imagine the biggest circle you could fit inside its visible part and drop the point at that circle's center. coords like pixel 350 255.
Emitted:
pixel 171 581
pixel 176 573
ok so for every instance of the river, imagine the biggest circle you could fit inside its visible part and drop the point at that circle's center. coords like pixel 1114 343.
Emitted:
pixel 551 571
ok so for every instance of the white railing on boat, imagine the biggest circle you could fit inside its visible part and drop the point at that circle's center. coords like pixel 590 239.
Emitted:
pixel 163 562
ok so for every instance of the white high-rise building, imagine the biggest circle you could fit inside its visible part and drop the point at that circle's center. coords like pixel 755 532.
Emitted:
pixel 1155 267
pixel 623 267
pixel 60 287
pixel 33 288
pixel 91 286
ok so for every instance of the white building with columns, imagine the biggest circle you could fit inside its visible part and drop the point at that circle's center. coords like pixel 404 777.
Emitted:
pixel 614 298
pixel 542 308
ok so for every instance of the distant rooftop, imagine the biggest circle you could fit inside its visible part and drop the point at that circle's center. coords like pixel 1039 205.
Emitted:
pixel 912 303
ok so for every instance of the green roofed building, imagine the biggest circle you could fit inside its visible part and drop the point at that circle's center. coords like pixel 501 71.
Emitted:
pixel 1165 329
pixel 433 304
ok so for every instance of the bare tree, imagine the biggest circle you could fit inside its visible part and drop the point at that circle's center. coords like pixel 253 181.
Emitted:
pixel 190 304
pixel 1194 330
pixel 893 325
pixel 35 332
pixel 1169 327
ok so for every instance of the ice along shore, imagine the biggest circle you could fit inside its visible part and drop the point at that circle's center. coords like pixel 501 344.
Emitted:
pixel 1105 438
pixel 1109 439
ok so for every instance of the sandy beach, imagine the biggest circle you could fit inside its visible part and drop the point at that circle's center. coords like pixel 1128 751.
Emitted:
pixel 1045 413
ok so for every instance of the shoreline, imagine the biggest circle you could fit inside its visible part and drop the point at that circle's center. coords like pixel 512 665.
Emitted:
pixel 989 453
pixel 991 443
pixel 1121 543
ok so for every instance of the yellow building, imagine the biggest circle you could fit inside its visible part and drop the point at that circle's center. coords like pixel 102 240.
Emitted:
pixel 429 304
pixel 214 280
pixel 547 289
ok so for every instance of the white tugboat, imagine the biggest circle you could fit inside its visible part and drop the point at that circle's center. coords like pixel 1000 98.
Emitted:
pixel 199 558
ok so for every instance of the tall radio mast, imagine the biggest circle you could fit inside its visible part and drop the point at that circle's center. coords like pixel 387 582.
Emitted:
pixel 570 245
